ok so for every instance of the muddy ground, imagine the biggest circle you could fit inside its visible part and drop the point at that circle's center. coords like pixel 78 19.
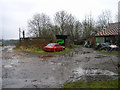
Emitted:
pixel 30 70
pixel 0 68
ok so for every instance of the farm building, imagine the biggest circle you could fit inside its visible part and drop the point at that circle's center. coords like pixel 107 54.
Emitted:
pixel 110 34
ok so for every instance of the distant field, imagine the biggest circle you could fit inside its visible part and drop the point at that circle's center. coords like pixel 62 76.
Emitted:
pixel 10 42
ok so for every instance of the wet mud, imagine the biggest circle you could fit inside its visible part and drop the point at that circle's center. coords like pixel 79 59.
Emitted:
pixel 30 70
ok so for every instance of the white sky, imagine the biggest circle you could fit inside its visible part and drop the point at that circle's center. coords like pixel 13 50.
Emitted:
pixel 16 13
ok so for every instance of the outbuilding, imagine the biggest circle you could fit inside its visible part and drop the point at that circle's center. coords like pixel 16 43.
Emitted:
pixel 110 34
pixel 61 39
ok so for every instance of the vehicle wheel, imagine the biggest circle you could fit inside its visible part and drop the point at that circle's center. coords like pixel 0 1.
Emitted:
pixel 63 49
pixel 54 50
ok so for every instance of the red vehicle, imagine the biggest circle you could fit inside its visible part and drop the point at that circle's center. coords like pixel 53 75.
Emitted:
pixel 54 47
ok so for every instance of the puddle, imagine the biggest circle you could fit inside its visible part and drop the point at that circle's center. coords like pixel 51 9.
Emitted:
pixel 9 48
pixel 100 56
pixel 96 74
pixel 99 72
pixel 59 64
pixel 14 61
pixel 85 52
pixel 81 71
pixel 51 56
pixel 47 57
pixel 51 63
pixel 7 66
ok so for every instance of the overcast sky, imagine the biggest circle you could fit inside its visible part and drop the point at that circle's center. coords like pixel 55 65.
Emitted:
pixel 16 13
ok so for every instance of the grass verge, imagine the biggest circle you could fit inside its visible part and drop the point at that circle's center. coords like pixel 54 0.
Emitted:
pixel 76 46
pixel 93 84
pixel 110 52
pixel 35 50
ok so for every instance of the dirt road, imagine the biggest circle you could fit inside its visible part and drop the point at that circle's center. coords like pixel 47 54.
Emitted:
pixel 30 70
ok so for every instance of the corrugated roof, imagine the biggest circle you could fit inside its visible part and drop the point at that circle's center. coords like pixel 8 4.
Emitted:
pixel 112 29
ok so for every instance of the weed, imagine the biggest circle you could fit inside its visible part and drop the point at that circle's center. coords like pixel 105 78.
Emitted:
pixel 93 84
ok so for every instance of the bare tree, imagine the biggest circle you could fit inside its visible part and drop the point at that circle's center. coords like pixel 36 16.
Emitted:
pixel 117 17
pixel 88 25
pixel 78 30
pixel 56 30
pixel 65 22
pixel 104 19
pixel 39 25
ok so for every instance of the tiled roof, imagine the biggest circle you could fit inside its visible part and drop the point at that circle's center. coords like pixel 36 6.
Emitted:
pixel 112 29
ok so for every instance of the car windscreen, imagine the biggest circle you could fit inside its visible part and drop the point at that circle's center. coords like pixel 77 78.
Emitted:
pixel 50 45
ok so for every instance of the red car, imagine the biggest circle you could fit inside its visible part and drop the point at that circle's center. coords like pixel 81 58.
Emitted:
pixel 54 47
